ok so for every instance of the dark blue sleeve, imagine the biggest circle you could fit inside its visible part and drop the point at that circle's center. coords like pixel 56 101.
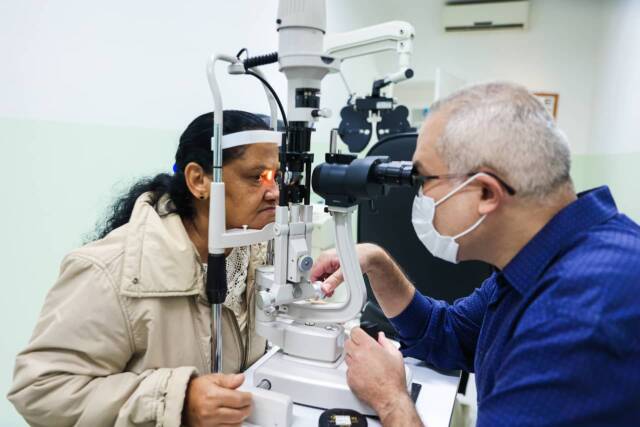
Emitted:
pixel 444 335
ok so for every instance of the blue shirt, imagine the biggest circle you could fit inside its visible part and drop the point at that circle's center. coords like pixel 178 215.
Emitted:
pixel 554 338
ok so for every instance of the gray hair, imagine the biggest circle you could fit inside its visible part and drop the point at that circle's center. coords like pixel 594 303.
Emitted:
pixel 503 127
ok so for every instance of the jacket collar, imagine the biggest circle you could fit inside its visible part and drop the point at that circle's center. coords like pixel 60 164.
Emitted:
pixel 159 258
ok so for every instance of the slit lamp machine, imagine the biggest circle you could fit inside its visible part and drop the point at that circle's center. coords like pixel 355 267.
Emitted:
pixel 309 367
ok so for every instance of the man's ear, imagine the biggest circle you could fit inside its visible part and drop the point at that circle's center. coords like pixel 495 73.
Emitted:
pixel 197 181
pixel 493 194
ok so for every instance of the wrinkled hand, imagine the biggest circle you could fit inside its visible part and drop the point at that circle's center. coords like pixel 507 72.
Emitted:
pixel 212 400
pixel 375 371
pixel 327 266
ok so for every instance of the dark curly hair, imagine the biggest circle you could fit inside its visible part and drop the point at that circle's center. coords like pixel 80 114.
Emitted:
pixel 194 146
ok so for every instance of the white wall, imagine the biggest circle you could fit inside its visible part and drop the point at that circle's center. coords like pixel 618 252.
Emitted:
pixel 588 51
pixel 616 106
pixel 556 54
pixel 142 63
pixel 125 63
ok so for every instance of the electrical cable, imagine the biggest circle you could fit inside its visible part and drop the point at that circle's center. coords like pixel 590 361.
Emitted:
pixel 275 95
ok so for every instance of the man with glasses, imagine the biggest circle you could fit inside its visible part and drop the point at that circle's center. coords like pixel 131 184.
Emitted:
pixel 553 335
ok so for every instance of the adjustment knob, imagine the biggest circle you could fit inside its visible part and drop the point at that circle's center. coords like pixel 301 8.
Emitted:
pixel 305 263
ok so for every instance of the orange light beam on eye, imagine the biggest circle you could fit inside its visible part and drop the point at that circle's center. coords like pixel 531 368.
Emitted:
pixel 267 176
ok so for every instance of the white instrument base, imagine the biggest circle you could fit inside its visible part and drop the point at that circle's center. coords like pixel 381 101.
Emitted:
pixel 310 383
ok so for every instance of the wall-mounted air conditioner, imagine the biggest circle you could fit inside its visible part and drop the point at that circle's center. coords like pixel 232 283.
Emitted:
pixel 486 15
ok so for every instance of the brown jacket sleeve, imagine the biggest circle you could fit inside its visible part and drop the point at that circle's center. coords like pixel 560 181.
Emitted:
pixel 73 370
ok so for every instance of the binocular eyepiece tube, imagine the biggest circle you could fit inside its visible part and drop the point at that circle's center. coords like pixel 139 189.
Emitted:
pixel 345 180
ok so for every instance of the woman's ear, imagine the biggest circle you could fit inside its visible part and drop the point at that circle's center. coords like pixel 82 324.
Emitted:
pixel 197 181
pixel 492 194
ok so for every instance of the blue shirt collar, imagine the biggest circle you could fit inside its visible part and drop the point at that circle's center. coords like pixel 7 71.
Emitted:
pixel 591 208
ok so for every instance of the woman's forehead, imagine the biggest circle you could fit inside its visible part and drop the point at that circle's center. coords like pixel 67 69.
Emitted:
pixel 260 155
pixel 263 149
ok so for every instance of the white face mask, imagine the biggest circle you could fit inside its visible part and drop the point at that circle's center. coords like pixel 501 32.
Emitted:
pixel 424 210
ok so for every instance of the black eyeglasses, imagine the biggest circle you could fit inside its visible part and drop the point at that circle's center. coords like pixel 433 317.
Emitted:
pixel 420 180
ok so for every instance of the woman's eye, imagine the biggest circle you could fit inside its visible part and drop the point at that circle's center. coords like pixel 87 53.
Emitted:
pixel 268 176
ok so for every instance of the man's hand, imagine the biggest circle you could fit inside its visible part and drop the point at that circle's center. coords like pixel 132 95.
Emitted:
pixel 327 266
pixel 212 400
pixel 376 375
pixel 392 289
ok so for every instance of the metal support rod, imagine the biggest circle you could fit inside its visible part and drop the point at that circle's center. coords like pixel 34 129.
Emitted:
pixel 216 317
pixel 216 274
pixel 216 140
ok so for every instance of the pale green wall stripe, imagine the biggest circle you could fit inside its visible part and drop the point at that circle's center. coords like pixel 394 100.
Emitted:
pixel 57 179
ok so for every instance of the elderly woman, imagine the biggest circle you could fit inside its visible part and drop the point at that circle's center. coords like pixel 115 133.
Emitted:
pixel 125 335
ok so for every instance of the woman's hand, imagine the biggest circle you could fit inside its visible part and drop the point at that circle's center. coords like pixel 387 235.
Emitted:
pixel 327 266
pixel 212 400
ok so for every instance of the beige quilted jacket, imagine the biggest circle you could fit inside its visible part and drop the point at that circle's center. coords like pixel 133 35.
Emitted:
pixel 125 327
